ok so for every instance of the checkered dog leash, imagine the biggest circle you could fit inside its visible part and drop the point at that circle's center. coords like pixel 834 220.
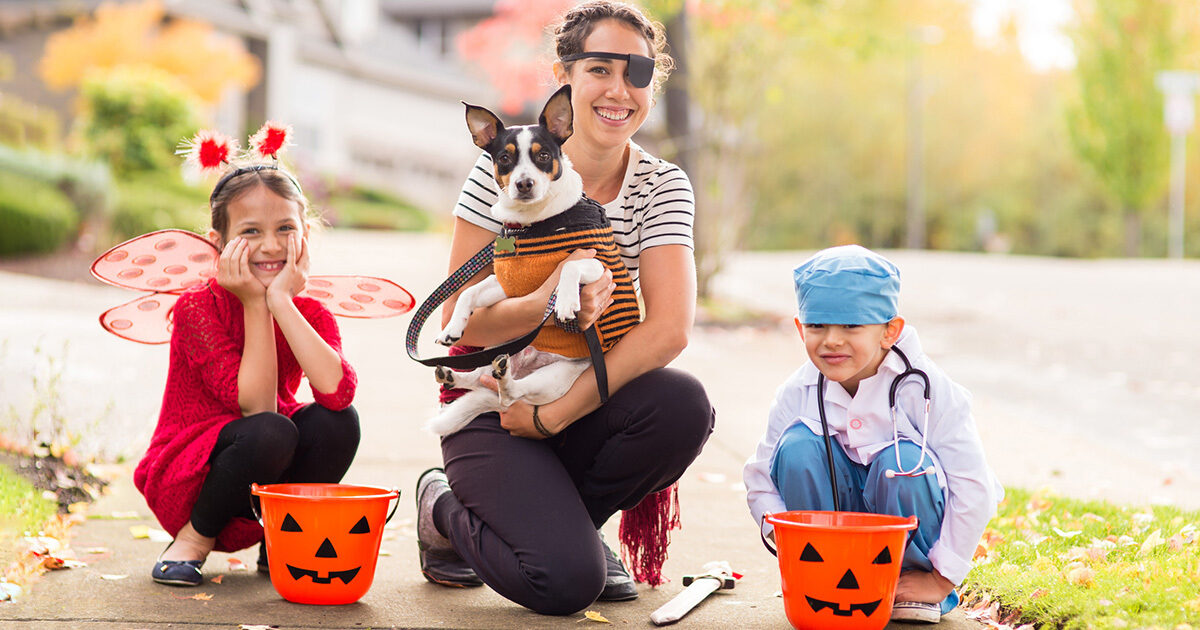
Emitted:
pixel 472 360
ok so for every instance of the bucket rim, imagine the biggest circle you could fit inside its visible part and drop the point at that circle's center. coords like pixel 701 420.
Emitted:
pixel 904 524
pixel 268 490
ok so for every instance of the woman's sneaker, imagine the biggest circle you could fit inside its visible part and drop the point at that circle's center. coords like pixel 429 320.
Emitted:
pixel 440 563
pixel 916 612
pixel 618 586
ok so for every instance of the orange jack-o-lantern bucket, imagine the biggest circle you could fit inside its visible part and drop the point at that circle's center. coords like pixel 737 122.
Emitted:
pixel 323 538
pixel 839 569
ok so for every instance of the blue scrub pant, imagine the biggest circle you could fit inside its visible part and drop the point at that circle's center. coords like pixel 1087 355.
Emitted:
pixel 801 473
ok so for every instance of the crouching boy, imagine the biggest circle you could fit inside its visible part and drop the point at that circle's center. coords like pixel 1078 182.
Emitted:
pixel 919 456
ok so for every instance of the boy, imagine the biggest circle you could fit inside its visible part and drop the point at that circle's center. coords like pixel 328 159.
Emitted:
pixel 858 346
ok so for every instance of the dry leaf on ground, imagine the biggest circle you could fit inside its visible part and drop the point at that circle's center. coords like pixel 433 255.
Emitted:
pixel 592 615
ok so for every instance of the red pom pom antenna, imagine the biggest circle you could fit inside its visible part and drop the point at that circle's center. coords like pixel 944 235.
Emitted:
pixel 208 149
pixel 270 139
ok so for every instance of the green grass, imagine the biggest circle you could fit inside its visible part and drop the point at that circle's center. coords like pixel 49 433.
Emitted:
pixel 22 510
pixel 1066 563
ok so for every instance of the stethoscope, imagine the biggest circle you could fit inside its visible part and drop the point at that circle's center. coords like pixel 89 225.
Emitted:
pixel 915 471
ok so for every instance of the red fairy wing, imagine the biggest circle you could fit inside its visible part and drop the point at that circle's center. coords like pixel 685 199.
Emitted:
pixel 145 320
pixel 359 296
pixel 167 260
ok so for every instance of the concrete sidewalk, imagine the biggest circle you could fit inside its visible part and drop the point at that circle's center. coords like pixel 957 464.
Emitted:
pixel 741 367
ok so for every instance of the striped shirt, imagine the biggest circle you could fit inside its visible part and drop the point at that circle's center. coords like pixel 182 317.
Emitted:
pixel 655 207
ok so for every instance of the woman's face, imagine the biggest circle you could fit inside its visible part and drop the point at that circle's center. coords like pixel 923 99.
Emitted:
pixel 608 109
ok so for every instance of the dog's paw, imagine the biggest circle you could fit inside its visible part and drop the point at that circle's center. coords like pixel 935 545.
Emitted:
pixel 444 375
pixel 565 306
pixel 500 366
pixel 448 337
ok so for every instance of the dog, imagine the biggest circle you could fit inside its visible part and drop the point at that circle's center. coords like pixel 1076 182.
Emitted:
pixel 545 217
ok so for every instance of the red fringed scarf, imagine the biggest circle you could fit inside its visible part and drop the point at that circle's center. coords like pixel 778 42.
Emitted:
pixel 646 532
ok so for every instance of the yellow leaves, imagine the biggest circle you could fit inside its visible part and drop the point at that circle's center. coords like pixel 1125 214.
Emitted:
pixel 1079 574
pixel 203 597
pixel 592 615
pixel 139 531
pixel 218 579
pixel 1153 540
pixel 130 34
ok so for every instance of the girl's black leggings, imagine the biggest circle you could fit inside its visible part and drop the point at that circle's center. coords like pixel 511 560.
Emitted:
pixel 315 446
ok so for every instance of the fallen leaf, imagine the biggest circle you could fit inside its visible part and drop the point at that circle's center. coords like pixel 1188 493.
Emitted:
pixel 217 580
pixel 1153 540
pixel 1040 592
pixel 1080 575
pixel 204 597
pixel 95 550
pixel 1065 534
pixel 113 577
pixel 237 565
pixel 139 531
pixel 158 535
pixel 595 616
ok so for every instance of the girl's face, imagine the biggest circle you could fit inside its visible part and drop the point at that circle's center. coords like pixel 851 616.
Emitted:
pixel 608 109
pixel 264 220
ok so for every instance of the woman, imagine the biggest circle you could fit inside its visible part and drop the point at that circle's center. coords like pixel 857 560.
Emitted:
pixel 525 510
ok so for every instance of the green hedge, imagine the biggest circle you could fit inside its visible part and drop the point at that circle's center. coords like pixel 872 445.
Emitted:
pixel 34 216
pixel 155 202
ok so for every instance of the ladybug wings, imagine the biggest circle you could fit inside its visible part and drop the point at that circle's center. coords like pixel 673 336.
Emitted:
pixel 168 262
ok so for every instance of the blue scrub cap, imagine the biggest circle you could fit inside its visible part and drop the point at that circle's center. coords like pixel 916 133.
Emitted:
pixel 847 285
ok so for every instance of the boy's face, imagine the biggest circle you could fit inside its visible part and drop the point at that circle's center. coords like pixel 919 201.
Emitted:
pixel 847 354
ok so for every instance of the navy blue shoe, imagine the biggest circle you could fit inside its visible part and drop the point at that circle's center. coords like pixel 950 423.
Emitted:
pixel 177 572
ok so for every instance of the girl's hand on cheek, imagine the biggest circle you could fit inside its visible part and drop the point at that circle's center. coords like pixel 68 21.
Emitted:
pixel 233 271
pixel 291 279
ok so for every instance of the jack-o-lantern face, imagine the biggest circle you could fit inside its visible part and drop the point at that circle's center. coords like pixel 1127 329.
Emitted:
pixel 844 599
pixel 328 558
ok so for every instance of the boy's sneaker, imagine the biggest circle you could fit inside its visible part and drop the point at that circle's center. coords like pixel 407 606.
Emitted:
pixel 618 586
pixel 916 612
pixel 440 563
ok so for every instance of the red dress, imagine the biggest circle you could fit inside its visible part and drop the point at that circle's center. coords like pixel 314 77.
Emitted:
pixel 201 397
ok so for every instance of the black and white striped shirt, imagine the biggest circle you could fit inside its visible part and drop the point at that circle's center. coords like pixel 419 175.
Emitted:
pixel 656 205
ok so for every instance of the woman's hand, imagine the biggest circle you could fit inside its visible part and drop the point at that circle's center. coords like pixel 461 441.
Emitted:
pixel 594 297
pixel 233 272
pixel 291 279
pixel 518 418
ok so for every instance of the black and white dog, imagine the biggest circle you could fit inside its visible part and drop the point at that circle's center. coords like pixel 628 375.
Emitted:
pixel 542 207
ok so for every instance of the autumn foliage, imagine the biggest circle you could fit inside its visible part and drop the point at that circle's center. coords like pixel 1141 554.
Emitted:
pixel 508 48
pixel 133 34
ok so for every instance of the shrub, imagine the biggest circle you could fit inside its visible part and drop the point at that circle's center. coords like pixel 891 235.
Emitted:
pixel 369 208
pixel 87 183
pixel 135 117
pixel 34 217
pixel 155 202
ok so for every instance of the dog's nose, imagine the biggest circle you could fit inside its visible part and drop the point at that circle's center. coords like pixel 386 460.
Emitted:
pixel 524 186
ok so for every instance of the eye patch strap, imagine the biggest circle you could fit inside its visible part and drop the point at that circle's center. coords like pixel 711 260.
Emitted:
pixel 639 69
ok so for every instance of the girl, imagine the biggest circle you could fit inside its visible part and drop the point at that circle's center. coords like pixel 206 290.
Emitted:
pixel 533 537
pixel 240 344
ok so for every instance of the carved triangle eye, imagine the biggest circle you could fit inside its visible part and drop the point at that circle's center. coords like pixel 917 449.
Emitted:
pixel 884 557
pixel 810 555
pixel 290 525
pixel 361 527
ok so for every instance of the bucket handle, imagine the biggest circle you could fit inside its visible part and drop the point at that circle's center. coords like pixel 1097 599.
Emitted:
pixel 394 507
pixel 767 544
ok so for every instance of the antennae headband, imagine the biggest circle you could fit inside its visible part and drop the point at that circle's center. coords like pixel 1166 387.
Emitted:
pixel 241 170
pixel 639 69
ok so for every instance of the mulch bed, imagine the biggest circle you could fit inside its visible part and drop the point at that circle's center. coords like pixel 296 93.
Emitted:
pixel 70 484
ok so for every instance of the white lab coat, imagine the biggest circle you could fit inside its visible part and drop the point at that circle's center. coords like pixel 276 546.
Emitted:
pixel 862 425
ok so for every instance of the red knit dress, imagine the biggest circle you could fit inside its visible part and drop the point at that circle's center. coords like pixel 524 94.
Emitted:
pixel 201 397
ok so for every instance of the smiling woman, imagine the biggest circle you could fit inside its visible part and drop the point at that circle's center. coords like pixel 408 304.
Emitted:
pixel 572 463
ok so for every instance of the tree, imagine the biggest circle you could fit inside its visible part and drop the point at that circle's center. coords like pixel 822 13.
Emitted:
pixel 1116 127
pixel 132 34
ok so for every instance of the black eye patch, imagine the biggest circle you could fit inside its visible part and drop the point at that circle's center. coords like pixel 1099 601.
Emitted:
pixel 638 68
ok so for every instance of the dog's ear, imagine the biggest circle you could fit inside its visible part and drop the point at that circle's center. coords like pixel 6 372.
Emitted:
pixel 484 125
pixel 557 114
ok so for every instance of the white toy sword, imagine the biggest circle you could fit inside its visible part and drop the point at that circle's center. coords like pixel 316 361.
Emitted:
pixel 717 575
